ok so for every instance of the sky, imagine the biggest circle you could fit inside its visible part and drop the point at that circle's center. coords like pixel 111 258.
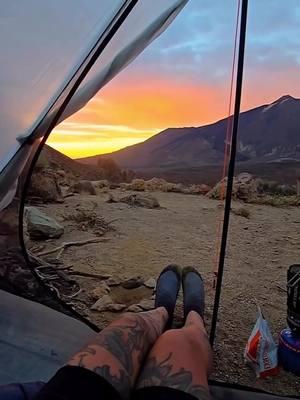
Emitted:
pixel 183 78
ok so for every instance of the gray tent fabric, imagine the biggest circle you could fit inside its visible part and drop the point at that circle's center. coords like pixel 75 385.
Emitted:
pixel 49 51
pixel 35 340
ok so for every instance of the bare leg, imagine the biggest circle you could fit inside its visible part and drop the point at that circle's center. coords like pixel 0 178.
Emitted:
pixel 118 351
pixel 180 359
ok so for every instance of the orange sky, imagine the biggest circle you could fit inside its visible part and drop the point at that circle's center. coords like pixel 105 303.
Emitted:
pixel 183 78
pixel 129 111
pixel 132 112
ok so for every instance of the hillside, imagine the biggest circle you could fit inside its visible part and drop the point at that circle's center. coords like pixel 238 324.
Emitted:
pixel 266 134
pixel 60 161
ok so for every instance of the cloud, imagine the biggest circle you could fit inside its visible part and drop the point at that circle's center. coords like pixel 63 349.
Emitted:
pixel 183 78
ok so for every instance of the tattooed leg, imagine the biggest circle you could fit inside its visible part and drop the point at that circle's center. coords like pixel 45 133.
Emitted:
pixel 180 359
pixel 118 351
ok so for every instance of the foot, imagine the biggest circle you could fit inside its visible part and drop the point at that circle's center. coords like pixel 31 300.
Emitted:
pixel 193 291
pixel 167 288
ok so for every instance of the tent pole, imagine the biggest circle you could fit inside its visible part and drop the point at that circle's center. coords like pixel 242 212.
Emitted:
pixel 231 167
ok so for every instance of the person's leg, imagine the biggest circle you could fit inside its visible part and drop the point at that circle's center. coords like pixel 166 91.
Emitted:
pixel 180 359
pixel 117 352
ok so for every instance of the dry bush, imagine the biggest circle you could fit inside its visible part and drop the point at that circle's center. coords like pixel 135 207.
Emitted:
pixel 174 187
pixel 241 211
pixel 88 219
pixel 156 185
pixel 278 201
pixel 274 188
pixel 137 185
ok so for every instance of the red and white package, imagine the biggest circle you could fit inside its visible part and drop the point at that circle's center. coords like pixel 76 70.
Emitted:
pixel 261 350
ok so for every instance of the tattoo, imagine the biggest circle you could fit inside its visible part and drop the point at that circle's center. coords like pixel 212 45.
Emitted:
pixel 128 342
pixel 157 373
pixel 120 382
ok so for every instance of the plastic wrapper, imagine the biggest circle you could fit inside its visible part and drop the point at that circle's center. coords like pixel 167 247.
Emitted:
pixel 261 349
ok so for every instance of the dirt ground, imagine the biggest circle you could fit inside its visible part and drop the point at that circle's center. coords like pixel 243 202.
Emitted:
pixel 183 231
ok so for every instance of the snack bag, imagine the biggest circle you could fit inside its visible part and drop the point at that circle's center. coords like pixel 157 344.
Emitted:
pixel 261 350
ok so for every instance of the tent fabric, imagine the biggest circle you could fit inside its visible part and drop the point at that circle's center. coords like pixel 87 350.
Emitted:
pixel 47 48
pixel 35 340
pixel 40 56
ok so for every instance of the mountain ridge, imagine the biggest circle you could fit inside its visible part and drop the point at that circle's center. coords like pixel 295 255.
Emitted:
pixel 266 133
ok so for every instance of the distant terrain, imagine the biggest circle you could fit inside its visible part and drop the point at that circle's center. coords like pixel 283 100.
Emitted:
pixel 268 145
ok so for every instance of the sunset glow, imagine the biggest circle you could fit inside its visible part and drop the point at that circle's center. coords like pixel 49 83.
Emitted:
pixel 183 78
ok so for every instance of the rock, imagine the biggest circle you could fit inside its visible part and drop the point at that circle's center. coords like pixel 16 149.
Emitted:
pixel 134 308
pixel 40 225
pixel 244 188
pixel 44 185
pixel 100 184
pixel 100 291
pixel 114 186
pixel 156 184
pixel 146 305
pixel 137 185
pixel 198 189
pixel 150 283
pixel 82 187
pixel 138 200
pixel 105 303
pixel 114 281
pixel 111 199
pixel 174 187
pixel 132 283
pixel 116 307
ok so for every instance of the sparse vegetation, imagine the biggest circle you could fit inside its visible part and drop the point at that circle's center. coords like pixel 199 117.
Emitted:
pixel 88 219
pixel 278 201
pixel 274 188
pixel 241 211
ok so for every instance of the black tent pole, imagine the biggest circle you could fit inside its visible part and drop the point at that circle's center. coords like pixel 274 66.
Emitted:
pixel 231 167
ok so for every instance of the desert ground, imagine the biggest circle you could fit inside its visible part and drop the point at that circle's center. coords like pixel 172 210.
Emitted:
pixel 184 231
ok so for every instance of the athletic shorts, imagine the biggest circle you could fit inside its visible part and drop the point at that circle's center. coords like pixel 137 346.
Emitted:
pixel 76 383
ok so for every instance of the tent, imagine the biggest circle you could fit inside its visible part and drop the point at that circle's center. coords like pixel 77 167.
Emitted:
pixel 51 67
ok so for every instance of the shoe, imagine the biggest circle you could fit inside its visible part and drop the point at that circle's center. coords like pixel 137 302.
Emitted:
pixel 193 291
pixel 167 288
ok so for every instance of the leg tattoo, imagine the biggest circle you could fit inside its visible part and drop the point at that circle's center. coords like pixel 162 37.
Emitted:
pixel 117 352
pixel 157 373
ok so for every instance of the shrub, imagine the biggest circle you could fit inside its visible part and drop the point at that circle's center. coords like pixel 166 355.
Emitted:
pixel 241 211
pixel 88 219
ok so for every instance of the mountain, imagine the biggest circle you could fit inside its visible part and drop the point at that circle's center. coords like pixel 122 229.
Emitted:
pixel 267 133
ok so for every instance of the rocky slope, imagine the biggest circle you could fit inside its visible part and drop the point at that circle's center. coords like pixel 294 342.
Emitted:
pixel 266 133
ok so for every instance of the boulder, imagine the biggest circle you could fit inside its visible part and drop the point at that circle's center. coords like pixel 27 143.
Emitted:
pixel 156 184
pixel 105 303
pixel 198 189
pixel 137 185
pixel 138 200
pixel 44 185
pixel 100 184
pixel 82 187
pixel 40 225
pixel 174 187
pixel 244 188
